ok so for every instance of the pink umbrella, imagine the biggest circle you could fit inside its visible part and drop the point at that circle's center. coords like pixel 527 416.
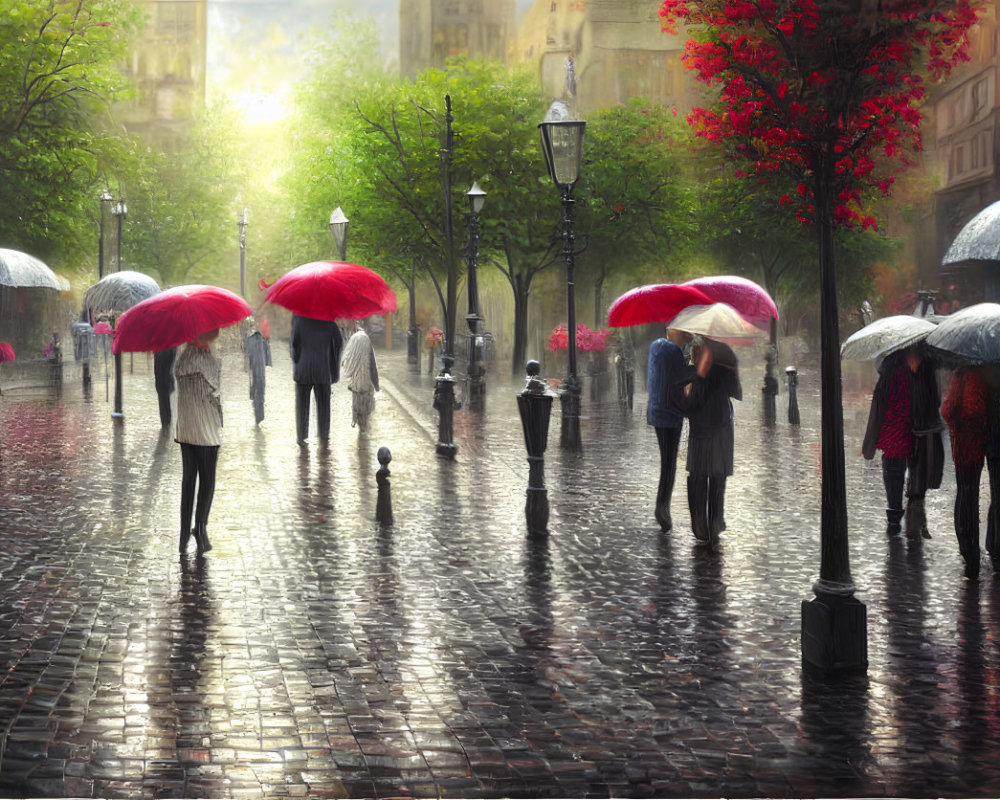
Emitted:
pixel 659 302
pixel 752 302
pixel 6 352
pixel 103 327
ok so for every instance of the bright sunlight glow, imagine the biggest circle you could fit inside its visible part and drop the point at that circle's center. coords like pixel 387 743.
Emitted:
pixel 261 107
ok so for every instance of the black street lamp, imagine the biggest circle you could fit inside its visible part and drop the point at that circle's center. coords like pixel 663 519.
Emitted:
pixel 119 210
pixel 338 227
pixel 105 202
pixel 477 373
pixel 562 143
pixel 244 221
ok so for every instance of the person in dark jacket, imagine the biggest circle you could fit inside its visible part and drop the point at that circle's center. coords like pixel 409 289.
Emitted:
pixel 257 351
pixel 964 410
pixel 706 400
pixel 664 371
pixel 905 424
pixel 163 379
pixel 315 346
pixel 991 447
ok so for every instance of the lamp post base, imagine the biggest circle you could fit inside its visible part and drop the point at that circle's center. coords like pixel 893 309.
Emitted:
pixel 834 633
pixel 444 402
pixel 569 435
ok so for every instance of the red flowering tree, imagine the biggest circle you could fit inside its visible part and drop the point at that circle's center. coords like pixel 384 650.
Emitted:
pixel 827 92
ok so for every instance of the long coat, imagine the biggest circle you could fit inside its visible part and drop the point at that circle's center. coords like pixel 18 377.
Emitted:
pixel 709 409
pixel 315 349
pixel 664 369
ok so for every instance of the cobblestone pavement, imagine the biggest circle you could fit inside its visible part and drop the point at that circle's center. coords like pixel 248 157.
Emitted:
pixel 313 654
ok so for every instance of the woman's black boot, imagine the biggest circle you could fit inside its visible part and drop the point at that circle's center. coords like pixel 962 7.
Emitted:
pixel 201 538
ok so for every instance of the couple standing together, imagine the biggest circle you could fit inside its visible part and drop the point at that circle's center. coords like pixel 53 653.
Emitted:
pixel 702 391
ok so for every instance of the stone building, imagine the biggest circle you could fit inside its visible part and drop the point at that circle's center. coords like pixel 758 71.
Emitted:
pixel 431 31
pixel 168 64
pixel 617 47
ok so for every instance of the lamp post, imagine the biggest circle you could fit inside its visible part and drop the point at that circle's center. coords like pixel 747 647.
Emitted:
pixel 105 201
pixel 444 384
pixel 119 210
pixel 562 143
pixel 244 221
pixel 338 227
pixel 474 319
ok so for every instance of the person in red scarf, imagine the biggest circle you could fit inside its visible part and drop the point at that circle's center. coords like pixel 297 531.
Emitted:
pixel 905 425
pixel 964 410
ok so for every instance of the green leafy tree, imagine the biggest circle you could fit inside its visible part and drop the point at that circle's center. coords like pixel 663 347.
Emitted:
pixel 59 72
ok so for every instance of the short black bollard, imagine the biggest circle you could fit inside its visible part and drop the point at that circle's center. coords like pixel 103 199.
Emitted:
pixel 383 506
pixel 444 403
pixel 535 406
pixel 793 400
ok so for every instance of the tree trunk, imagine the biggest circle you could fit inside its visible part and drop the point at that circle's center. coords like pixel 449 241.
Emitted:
pixel 599 319
pixel 835 559
pixel 521 288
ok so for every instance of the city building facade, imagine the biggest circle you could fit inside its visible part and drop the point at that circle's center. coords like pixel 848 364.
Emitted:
pixel 432 31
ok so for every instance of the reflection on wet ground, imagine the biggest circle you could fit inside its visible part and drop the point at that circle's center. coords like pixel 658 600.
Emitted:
pixel 315 653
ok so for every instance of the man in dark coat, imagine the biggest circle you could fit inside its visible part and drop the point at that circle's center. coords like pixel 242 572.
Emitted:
pixel 664 370
pixel 705 401
pixel 163 379
pixel 315 346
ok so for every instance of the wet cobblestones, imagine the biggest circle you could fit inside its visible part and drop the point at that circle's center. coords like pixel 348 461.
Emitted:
pixel 313 653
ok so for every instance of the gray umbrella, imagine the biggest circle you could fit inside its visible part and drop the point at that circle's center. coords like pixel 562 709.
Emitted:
pixel 117 292
pixel 971 335
pixel 979 240
pixel 885 335
pixel 20 270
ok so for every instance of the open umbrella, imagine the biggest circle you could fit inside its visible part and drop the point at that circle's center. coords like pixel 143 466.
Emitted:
pixel 176 316
pixel 19 270
pixel 969 336
pixel 332 290
pixel 718 321
pixel 119 291
pixel 657 302
pixel 752 302
pixel 884 336
pixel 6 352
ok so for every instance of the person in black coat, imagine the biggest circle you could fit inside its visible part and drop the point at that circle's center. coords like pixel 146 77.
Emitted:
pixel 163 379
pixel 315 346
pixel 665 368
pixel 706 400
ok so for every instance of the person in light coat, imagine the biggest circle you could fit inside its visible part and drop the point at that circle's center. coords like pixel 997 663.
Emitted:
pixel 361 370
pixel 199 419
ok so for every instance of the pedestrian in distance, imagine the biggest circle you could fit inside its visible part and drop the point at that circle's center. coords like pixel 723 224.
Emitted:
pixel 199 420
pixel 964 410
pixel 905 424
pixel 163 380
pixel 315 346
pixel 361 371
pixel 257 353
pixel 664 371
pixel 706 400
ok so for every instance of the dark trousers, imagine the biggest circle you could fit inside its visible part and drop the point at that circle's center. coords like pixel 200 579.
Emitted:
pixel 163 395
pixel 669 440
pixel 993 514
pixel 322 394
pixel 894 479
pixel 706 500
pixel 967 511
pixel 198 464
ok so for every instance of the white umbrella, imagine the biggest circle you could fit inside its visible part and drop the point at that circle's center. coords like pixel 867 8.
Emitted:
pixel 717 321
pixel 19 270
pixel 884 336
pixel 971 335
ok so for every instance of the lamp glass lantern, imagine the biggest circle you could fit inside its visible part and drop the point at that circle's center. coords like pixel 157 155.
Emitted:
pixel 477 197
pixel 562 143
pixel 338 227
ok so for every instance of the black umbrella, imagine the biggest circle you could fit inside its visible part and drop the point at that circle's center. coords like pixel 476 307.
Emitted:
pixel 969 336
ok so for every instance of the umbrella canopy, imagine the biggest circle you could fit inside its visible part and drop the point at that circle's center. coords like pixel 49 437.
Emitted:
pixel 884 336
pixel 103 327
pixel 119 291
pixel 979 240
pixel 176 316
pixel 20 270
pixel 752 302
pixel 718 321
pixel 6 352
pixel 971 335
pixel 332 290
pixel 657 302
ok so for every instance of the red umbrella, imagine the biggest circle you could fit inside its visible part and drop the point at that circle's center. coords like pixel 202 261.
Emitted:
pixel 177 316
pixel 752 302
pixel 658 302
pixel 332 290
pixel 103 327
pixel 6 352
